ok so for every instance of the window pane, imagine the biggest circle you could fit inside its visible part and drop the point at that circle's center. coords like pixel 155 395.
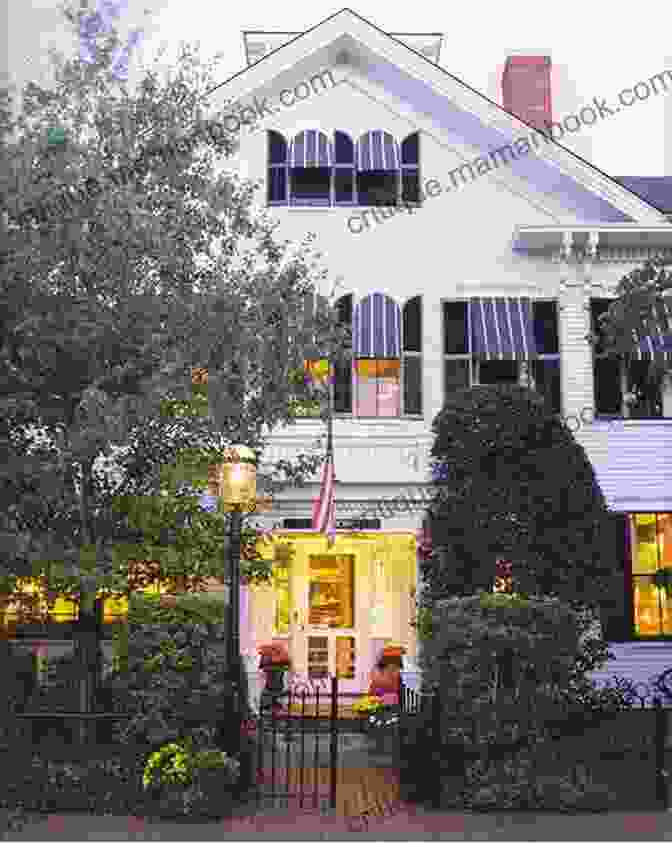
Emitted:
pixel 498 371
pixel 282 598
pixel 665 539
pixel 331 591
pixel 344 185
pixel 410 186
pixel 277 148
pixel 318 656
pixel 310 185
pixel 546 374
pixel 412 324
pixel 546 326
pixel 410 149
pixel 413 385
pixel 647 609
pixel 345 657
pixel 455 375
pixel 343 387
pixel 277 184
pixel 597 308
pixel 645 555
pixel 608 396
pixel 648 402
pixel 377 387
pixel 377 187
pixel 455 327
pixel 344 148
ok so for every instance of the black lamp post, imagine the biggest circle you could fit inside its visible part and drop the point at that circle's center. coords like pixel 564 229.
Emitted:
pixel 237 489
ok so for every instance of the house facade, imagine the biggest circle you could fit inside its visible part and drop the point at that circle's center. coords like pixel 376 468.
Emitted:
pixel 469 248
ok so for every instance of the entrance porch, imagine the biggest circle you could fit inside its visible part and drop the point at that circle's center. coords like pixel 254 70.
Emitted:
pixel 334 608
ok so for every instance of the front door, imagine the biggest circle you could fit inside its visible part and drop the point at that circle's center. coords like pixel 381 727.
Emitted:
pixel 330 644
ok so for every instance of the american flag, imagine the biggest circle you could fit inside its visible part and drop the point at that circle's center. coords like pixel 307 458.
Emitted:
pixel 324 506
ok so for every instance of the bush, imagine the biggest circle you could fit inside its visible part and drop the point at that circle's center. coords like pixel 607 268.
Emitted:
pixel 174 675
pixel 511 674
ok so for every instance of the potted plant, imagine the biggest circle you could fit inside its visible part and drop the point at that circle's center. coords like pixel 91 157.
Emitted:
pixel 379 718
pixel 274 661
pixel 188 783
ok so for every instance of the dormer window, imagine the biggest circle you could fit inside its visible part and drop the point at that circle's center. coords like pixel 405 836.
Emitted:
pixel 377 169
pixel 310 172
pixel 277 168
pixel 318 170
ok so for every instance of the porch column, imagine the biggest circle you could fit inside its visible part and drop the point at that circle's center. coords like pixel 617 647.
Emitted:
pixel 576 361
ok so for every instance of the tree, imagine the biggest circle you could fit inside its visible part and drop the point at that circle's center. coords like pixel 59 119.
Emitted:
pixel 129 259
pixel 642 308
pixel 515 485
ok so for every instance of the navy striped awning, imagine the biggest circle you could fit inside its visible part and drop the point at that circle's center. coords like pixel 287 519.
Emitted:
pixel 311 148
pixel 377 150
pixel 376 327
pixel 659 343
pixel 502 328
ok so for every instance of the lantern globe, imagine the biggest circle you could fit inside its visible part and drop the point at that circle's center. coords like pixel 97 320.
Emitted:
pixel 238 476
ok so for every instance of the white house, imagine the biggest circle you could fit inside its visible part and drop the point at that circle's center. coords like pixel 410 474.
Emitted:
pixel 471 248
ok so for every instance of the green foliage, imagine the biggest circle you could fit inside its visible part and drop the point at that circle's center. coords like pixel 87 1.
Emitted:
pixel 520 488
pixel 639 310
pixel 111 296
pixel 510 671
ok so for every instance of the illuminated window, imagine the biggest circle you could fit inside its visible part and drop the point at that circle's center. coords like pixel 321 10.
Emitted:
pixel 651 552
pixel 282 598
pixel 331 591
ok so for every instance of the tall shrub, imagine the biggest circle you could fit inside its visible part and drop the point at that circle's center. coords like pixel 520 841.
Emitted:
pixel 511 673
pixel 514 484
pixel 170 665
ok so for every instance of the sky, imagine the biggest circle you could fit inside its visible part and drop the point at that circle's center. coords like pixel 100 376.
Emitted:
pixel 601 47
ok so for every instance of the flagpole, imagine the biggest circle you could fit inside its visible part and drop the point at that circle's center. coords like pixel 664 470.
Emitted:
pixel 330 416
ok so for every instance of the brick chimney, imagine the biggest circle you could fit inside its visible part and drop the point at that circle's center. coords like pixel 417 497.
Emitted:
pixel 526 89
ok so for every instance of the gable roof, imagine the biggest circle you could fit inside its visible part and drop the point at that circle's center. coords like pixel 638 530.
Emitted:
pixel 456 108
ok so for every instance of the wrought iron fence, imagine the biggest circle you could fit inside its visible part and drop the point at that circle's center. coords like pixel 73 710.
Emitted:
pixel 598 739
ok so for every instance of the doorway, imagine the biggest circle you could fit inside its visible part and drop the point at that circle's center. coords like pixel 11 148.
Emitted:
pixel 330 644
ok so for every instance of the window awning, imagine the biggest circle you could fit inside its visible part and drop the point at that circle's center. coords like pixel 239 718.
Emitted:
pixel 658 344
pixel 502 328
pixel 377 150
pixel 376 327
pixel 311 148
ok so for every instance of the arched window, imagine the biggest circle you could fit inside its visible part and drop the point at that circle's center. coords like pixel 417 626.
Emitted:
pixel 378 180
pixel 410 169
pixel 318 170
pixel 277 168
pixel 376 336
pixel 310 168
pixel 412 356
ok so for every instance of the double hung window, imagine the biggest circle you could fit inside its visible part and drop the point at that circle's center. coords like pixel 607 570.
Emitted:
pixel 500 341
pixel 383 377
pixel 626 385
pixel 651 536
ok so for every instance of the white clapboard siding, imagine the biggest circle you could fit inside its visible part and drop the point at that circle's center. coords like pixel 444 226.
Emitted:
pixel 633 463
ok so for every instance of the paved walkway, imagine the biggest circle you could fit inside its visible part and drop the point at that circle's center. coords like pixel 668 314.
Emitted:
pixel 410 825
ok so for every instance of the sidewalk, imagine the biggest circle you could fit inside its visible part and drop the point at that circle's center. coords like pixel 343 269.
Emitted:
pixel 409 825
